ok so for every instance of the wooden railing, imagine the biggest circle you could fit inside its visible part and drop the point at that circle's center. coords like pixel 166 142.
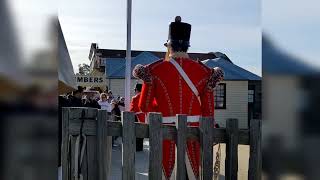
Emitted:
pixel 94 124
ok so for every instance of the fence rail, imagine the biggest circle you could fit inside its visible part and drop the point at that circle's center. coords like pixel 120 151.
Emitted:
pixel 94 124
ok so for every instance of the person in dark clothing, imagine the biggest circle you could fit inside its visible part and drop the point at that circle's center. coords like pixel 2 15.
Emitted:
pixel 115 115
pixel 110 96
pixel 90 100
pixel 115 111
pixel 75 100
pixel 121 104
pixel 92 103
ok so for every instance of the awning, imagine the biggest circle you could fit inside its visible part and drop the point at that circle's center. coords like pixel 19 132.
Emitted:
pixel 67 81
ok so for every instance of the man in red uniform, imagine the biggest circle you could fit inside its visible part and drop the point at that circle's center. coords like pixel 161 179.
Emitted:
pixel 178 85
pixel 140 116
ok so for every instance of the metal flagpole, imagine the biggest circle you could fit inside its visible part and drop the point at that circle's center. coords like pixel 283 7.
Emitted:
pixel 128 57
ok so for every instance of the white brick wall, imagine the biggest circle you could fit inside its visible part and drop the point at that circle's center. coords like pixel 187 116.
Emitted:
pixel 117 86
pixel 236 104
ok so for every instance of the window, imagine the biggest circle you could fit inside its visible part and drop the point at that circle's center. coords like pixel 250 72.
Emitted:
pixel 250 96
pixel 220 96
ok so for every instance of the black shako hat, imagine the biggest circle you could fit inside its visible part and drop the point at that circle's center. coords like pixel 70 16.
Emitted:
pixel 138 87
pixel 179 32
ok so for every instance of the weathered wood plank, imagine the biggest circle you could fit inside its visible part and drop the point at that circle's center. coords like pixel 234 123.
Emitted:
pixel 181 146
pixel 84 166
pixel 155 142
pixel 109 154
pixel 169 132
pixel 231 164
pixel 206 147
pixel 83 112
pixel 128 146
pixel 72 161
pixel 243 137
pixel 193 133
pixel 114 128
pixel 65 144
pixel 102 146
pixel 220 136
pixel 89 127
pixel 92 158
pixel 255 160
pixel 142 131
pixel 72 127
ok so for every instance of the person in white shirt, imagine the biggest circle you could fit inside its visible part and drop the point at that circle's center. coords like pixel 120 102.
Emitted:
pixel 105 105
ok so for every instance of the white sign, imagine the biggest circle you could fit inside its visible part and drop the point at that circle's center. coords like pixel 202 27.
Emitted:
pixel 92 81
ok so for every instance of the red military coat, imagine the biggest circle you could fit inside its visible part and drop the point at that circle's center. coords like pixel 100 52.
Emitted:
pixel 164 89
pixel 134 107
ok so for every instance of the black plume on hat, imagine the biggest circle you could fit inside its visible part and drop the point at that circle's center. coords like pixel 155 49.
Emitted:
pixel 138 87
pixel 179 32
pixel 80 88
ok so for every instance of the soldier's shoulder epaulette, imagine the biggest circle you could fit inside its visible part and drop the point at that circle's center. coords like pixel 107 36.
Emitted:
pixel 204 67
pixel 155 64
pixel 201 63
pixel 216 76
pixel 143 72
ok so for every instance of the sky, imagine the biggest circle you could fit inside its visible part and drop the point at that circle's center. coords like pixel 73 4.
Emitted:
pixel 229 26
pixel 31 20
pixel 294 25
pixel 225 26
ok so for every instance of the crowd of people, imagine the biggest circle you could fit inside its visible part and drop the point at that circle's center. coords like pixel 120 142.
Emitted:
pixel 91 98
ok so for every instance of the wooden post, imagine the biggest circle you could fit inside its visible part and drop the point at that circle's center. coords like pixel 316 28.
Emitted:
pixel 155 142
pixel 231 164
pixel 92 158
pixel 103 146
pixel 65 144
pixel 255 160
pixel 108 149
pixel 206 152
pixel 128 146
pixel 181 126
pixel 76 120
pixel 90 115
pixel 82 112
